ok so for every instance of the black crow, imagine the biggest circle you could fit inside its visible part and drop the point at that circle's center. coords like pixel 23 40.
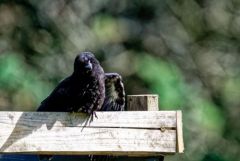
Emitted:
pixel 83 91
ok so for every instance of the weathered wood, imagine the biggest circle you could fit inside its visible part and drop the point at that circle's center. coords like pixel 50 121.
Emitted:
pixel 150 103
pixel 180 144
pixel 116 133
pixel 142 102
pixel 91 140
pixel 123 119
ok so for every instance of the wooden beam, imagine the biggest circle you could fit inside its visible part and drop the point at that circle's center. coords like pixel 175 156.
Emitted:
pixel 147 102
pixel 116 133
pixel 180 144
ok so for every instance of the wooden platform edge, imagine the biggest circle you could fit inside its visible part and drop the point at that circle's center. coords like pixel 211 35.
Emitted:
pixel 180 144
pixel 117 133
pixel 20 128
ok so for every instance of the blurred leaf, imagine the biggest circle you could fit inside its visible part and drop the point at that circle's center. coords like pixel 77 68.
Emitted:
pixel 108 29
pixel 209 116
pixel 231 91
pixel 212 157
pixel 26 87
pixel 163 78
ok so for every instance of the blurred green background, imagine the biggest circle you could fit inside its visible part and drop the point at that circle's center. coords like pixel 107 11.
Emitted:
pixel 187 51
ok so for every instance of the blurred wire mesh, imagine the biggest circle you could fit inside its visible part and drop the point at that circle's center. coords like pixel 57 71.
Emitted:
pixel 186 51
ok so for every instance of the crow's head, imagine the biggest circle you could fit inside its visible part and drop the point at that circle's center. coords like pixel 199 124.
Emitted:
pixel 85 63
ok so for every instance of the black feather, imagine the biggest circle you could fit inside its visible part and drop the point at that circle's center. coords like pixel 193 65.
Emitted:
pixel 114 93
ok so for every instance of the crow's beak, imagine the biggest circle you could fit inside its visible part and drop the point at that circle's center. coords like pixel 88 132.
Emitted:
pixel 88 66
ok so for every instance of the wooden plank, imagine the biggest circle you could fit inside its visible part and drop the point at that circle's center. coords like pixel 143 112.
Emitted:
pixel 123 119
pixel 147 102
pixel 65 133
pixel 68 140
pixel 180 144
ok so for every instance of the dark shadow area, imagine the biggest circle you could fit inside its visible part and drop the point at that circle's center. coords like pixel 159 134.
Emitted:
pixel 22 157
pixel 18 157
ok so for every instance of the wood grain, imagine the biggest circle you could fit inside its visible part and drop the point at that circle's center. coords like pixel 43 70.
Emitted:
pixel 180 144
pixel 116 133
pixel 124 119
pixel 142 102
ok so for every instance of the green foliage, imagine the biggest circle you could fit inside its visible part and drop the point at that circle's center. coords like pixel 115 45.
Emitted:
pixel 163 78
pixel 21 82
pixel 210 117
pixel 166 80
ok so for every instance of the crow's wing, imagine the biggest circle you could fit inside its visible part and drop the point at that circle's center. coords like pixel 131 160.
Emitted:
pixel 58 99
pixel 114 93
